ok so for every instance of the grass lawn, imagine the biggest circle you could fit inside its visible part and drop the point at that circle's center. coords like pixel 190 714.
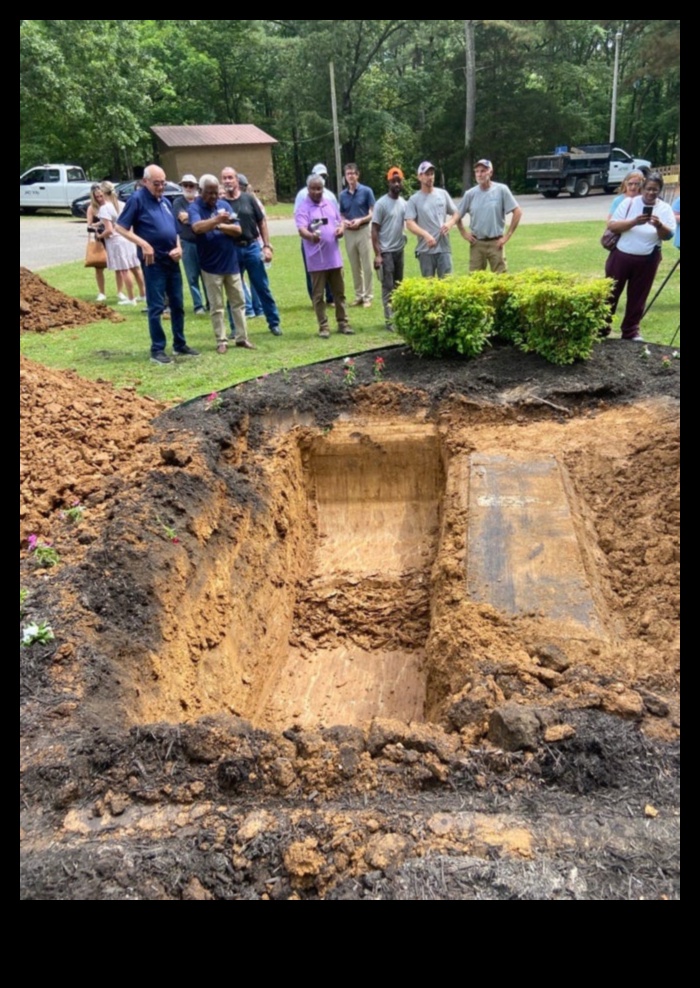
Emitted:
pixel 120 352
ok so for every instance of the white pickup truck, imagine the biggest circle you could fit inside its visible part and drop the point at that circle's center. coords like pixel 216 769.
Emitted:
pixel 51 187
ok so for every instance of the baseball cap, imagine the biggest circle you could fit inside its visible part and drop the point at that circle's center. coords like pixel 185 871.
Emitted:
pixel 242 179
pixel 395 173
pixel 188 180
pixel 319 170
pixel 425 166
pixel 485 162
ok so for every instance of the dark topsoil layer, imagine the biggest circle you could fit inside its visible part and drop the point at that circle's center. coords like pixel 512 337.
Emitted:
pixel 218 809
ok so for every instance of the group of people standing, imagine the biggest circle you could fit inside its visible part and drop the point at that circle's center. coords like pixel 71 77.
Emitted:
pixel 642 222
pixel 378 228
pixel 102 213
pixel 220 232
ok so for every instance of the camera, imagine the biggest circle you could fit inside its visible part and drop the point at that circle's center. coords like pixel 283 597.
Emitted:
pixel 315 224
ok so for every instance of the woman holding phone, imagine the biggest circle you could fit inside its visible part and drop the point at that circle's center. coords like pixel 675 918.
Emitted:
pixel 643 225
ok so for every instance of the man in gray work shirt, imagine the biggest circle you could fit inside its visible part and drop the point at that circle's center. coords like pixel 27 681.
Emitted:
pixel 426 216
pixel 389 240
pixel 488 204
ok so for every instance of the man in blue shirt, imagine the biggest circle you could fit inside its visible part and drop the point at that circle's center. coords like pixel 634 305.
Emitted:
pixel 213 225
pixel 356 205
pixel 147 221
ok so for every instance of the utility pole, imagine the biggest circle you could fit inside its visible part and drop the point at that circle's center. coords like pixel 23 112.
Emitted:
pixel 616 71
pixel 470 101
pixel 336 133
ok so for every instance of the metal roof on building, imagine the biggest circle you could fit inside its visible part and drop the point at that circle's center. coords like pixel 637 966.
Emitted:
pixel 210 134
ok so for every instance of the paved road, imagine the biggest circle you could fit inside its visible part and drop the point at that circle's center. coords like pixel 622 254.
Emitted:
pixel 46 239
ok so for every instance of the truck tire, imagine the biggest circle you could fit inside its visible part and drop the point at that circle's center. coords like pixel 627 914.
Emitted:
pixel 581 189
pixel 551 193
pixel 29 210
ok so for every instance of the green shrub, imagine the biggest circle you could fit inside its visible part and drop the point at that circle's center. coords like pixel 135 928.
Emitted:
pixel 441 316
pixel 553 313
pixel 560 318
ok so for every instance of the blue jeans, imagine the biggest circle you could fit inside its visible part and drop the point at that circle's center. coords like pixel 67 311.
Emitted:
pixel 164 287
pixel 250 259
pixel 190 260
pixel 253 305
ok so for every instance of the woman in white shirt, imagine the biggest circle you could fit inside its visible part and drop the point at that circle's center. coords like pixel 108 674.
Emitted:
pixel 643 225
pixel 121 254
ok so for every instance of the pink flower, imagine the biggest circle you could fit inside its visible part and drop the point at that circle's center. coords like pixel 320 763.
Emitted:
pixel 32 542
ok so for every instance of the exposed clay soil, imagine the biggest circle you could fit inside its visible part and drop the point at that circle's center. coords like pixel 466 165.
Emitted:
pixel 300 654
pixel 42 307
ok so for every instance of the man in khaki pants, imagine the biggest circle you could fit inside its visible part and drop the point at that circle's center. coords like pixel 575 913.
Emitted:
pixel 356 205
pixel 212 222
pixel 488 205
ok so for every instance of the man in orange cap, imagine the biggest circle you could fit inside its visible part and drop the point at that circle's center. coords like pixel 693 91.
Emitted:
pixel 389 239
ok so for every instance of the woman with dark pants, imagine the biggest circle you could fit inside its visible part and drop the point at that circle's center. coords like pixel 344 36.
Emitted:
pixel 643 224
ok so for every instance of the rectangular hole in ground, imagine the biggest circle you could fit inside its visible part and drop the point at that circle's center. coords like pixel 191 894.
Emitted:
pixel 362 616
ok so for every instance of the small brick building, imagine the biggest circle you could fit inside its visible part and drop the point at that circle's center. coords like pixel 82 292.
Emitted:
pixel 209 148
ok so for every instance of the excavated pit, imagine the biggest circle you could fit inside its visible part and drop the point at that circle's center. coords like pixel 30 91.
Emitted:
pixel 361 619
pixel 414 638
pixel 386 548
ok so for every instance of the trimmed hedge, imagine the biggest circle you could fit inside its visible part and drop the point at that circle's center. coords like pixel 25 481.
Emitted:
pixel 543 311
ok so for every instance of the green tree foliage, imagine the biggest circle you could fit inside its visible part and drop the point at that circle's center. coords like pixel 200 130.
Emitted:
pixel 87 91
pixel 91 90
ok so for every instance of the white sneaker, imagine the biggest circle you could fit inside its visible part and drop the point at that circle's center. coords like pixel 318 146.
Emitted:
pixel 101 297
pixel 121 296
pixel 141 298
pixel 127 301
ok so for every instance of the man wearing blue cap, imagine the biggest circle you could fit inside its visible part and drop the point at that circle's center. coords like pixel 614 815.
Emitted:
pixel 488 204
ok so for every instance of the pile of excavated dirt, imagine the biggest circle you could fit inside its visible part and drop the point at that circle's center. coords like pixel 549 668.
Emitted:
pixel 80 442
pixel 42 307
pixel 407 638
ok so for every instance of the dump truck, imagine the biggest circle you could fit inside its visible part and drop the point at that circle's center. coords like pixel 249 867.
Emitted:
pixel 580 169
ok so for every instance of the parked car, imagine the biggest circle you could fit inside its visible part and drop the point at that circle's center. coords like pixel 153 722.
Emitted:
pixel 51 187
pixel 124 190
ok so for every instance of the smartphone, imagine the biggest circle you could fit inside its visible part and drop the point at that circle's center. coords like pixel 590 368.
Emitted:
pixel 647 210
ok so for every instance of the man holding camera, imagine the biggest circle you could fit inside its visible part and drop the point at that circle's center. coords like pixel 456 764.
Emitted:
pixel 320 227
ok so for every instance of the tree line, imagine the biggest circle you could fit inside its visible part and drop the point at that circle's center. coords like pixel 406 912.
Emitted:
pixel 450 91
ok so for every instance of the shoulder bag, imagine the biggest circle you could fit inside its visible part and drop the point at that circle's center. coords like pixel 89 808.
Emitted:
pixel 95 253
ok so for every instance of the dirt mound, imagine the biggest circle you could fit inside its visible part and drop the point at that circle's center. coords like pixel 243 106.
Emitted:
pixel 42 307
pixel 413 638
pixel 79 442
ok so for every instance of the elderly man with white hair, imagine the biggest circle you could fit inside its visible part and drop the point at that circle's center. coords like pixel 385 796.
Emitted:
pixel 320 171
pixel 212 222
pixel 147 221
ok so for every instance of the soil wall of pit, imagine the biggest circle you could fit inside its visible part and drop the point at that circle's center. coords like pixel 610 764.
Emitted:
pixel 341 575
